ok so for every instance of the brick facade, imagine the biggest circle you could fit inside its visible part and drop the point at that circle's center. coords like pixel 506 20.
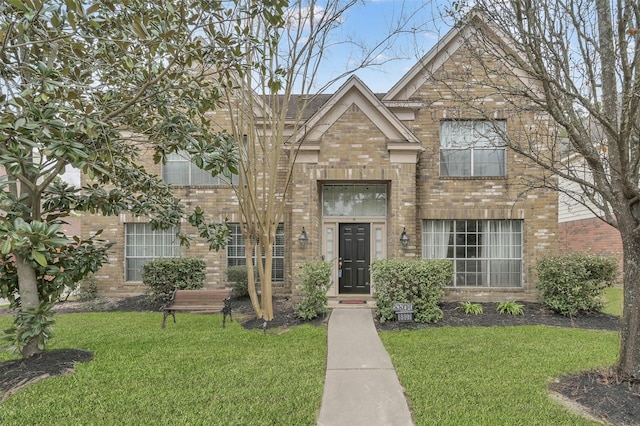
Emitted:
pixel 591 235
pixel 358 137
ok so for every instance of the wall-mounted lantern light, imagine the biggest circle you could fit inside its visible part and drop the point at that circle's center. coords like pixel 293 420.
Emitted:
pixel 404 238
pixel 303 239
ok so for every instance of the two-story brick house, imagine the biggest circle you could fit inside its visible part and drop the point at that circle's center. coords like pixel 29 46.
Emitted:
pixel 372 170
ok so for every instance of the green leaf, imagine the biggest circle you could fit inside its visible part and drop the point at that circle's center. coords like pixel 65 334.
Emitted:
pixel 20 225
pixel 39 257
pixel 57 241
pixel 18 5
pixel 6 246
pixel 93 8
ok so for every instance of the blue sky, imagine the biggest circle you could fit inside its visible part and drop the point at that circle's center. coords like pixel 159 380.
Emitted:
pixel 369 23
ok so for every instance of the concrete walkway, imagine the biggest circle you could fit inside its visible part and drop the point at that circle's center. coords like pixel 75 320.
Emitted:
pixel 361 386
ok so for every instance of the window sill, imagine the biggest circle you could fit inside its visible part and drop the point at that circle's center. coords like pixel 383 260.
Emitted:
pixel 474 287
pixel 201 186
pixel 473 177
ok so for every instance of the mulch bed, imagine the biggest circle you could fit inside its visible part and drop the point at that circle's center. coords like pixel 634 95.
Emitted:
pixel 599 394
pixel 17 374
pixel 534 314
pixel 603 395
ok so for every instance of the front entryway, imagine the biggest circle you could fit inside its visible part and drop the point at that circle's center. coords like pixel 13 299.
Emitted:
pixel 354 258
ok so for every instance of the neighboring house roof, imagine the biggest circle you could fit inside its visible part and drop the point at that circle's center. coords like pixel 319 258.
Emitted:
pixel 313 104
pixel 354 91
pixel 310 102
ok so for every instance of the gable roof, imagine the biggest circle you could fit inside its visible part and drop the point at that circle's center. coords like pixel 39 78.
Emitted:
pixel 444 49
pixel 416 77
pixel 354 91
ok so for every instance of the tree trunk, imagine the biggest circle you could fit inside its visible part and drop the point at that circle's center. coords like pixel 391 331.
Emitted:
pixel 29 299
pixel 267 301
pixel 629 362
pixel 251 288
pixel 267 295
pixel 267 290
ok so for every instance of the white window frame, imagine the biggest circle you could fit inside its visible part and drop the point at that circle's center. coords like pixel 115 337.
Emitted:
pixel 179 170
pixel 236 252
pixel 485 253
pixel 142 244
pixel 473 138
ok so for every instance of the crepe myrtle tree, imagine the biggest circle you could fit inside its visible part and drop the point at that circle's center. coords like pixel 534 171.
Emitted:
pixel 568 76
pixel 93 85
pixel 262 112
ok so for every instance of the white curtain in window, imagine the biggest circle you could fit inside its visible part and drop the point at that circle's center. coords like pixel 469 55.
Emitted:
pixel 176 170
pixel 458 134
pixel 488 162
pixel 455 148
pixel 467 142
pixel 201 177
pixel 437 235
pixel 502 246
pixel 455 162
pixel 179 170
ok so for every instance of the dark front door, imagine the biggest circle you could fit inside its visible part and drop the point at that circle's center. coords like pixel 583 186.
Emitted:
pixel 353 275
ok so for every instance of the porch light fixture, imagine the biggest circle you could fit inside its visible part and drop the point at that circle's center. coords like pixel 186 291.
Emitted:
pixel 404 238
pixel 303 239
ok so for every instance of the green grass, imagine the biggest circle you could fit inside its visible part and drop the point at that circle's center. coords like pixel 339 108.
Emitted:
pixel 195 372
pixel 192 372
pixel 493 376
pixel 614 298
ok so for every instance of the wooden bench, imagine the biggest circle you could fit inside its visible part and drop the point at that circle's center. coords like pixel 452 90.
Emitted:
pixel 201 301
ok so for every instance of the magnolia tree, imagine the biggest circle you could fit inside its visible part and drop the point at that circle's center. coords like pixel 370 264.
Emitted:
pixel 92 85
pixel 270 103
pixel 574 71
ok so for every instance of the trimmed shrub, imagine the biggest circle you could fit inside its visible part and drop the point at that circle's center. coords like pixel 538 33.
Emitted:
pixel 238 277
pixel 574 283
pixel 88 289
pixel 420 282
pixel 163 276
pixel 316 281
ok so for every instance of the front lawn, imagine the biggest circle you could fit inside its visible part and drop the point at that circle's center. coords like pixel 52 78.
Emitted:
pixel 192 372
pixel 493 375
pixel 195 372
pixel 614 300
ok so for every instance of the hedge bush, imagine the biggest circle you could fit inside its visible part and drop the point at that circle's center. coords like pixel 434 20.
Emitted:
pixel 574 283
pixel 316 280
pixel 420 282
pixel 163 276
pixel 88 289
pixel 238 277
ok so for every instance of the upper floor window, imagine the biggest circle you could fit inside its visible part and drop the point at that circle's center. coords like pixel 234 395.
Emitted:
pixel 143 244
pixel 472 148
pixel 180 170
